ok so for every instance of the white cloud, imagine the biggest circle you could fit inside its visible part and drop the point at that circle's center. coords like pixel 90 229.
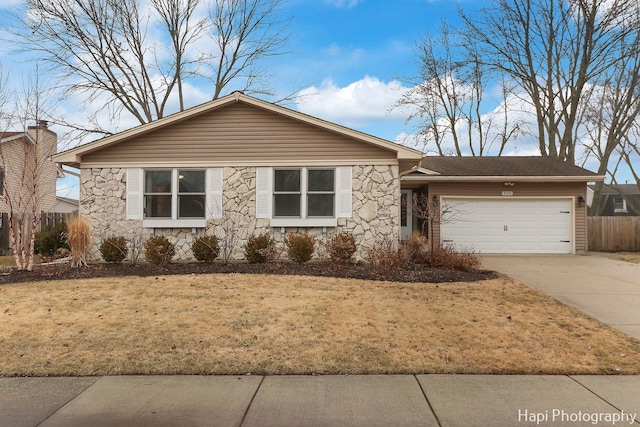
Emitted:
pixel 10 4
pixel 361 102
pixel 343 4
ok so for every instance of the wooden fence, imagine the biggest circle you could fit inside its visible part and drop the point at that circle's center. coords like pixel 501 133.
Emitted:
pixel 46 218
pixel 614 233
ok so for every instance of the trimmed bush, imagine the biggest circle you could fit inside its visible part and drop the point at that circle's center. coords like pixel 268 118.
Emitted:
pixel 50 239
pixel 159 250
pixel 114 249
pixel 206 248
pixel 260 248
pixel 341 247
pixel 300 247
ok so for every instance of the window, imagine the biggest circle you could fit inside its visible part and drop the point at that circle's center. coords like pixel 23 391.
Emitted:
pixel 191 195
pixel 619 204
pixel 157 194
pixel 286 193
pixel 304 193
pixel 174 194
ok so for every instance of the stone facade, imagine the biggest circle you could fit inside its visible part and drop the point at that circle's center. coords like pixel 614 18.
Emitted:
pixel 375 203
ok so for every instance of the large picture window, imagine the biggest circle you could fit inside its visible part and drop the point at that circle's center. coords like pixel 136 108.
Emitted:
pixel 304 193
pixel 174 194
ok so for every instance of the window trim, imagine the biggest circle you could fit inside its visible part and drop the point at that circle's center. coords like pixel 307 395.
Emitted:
pixel 304 218
pixel 174 221
pixel 624 204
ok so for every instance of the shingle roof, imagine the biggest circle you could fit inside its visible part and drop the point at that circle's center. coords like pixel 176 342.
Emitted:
pixel 503 166
pixel 619 189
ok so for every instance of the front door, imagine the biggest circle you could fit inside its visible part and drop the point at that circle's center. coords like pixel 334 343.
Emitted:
pixel 406 214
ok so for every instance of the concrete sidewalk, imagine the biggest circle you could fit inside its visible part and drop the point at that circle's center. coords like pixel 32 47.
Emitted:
pixel 603 288
pixel 368 400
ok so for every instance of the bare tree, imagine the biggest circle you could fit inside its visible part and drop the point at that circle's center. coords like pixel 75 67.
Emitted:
pixel 556 50
pixel 134 56
pixel 611 122
pixel 28 176
pixel 448 99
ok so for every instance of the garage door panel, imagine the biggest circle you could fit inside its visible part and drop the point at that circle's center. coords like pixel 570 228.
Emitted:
pixel 509 225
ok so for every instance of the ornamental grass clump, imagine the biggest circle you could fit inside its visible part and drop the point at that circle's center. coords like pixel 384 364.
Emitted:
pixel 79 240
pixel 159 250
pixel 114 249
pixel 300 247
pixel 206 248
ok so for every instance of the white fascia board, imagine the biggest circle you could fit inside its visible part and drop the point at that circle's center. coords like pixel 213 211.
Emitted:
pixel 503 178
pixel 247 163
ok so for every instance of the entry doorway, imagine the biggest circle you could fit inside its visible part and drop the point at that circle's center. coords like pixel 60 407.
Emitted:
pixel 406 213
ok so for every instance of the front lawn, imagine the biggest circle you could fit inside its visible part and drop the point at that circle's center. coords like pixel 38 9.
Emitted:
pixel 273 324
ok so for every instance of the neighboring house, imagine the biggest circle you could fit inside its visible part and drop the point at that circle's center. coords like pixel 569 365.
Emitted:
pixel 66 205
pixel 245 166
pixel 24 155
pixel 28 176
pixel 618 200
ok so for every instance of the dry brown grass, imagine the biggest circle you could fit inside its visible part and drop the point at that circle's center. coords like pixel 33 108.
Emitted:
pixel 237 324
pixel 633 257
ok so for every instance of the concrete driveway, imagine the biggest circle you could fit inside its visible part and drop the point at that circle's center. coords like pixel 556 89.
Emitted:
pixel 605 289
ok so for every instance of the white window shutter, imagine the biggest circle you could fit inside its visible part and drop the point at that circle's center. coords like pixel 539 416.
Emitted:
pixel 344 191
pixel 135 193
pixel 263 192
pixel 214 193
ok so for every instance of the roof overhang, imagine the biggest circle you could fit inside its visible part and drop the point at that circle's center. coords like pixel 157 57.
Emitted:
pixel 24 135
pixel 448 178
pixel 73 156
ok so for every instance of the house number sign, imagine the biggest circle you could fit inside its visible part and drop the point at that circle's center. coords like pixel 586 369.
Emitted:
pixel 507 193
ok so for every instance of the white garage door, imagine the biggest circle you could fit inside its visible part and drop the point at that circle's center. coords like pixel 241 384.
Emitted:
pixel 518 226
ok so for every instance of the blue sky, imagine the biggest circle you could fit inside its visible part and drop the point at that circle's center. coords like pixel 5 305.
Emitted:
pixel 350 55
pixel 347 53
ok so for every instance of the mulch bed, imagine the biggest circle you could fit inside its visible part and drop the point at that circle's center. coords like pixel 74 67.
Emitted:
pixel 413 273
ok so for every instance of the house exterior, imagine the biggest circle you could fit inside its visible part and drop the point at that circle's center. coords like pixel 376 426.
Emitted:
pixel 238 166
pixel 505 204
pixel 618 200
pixel 66 205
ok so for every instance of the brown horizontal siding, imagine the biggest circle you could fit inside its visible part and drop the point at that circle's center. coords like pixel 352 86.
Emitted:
pixel 239 132
pixel 521 189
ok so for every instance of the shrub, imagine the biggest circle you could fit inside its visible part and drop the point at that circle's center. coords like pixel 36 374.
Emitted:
pixel 447 256
pixel 300 247
pixel 114 249
pixel 415 248
pixel 159 250
pixel 206 248
pixel 260 248
pixel 79 239
pixel 387 258
pixel 50 239
pixel 341 247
